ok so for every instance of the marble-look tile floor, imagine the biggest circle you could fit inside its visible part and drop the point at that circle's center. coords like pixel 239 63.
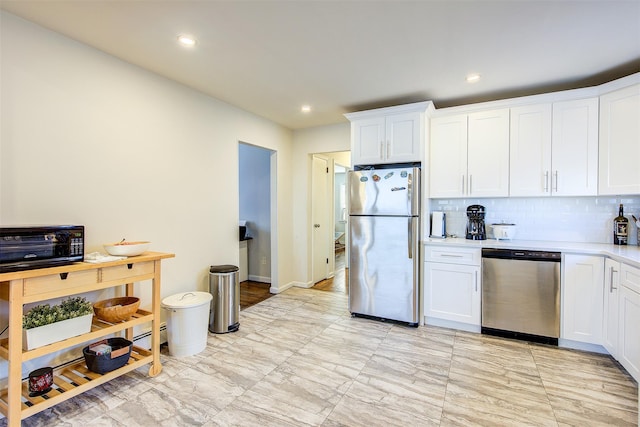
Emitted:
pixel 299 359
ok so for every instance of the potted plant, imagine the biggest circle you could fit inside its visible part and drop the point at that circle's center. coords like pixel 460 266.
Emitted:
pixel 46 324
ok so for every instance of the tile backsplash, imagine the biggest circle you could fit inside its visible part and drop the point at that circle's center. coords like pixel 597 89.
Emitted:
pixel 561 219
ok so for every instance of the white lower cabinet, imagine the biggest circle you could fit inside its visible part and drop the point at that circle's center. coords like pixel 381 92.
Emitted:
pixel 611 313
pixel 582 298
pixel 628 353
pixel 452 291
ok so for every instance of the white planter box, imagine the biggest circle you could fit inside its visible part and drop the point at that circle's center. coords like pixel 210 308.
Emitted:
pixel 54 332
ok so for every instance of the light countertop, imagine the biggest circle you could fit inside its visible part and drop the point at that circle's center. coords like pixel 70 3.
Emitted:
pixel 629 254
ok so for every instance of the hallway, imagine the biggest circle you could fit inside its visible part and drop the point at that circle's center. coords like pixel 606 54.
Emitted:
pixel 252 293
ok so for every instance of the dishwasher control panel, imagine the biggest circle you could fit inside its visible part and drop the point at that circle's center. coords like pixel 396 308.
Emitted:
pixel 526 255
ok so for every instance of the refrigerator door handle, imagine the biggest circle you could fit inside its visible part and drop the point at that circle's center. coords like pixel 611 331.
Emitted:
pixel 410 239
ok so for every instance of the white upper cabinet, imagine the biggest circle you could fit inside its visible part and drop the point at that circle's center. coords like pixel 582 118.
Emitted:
pixel 448 159
pixel 620 142
pixel 554 149
pixel 488 154
pixel 530 150
pixel 388 135
pixel 470 155
pixel 367 141
pixel 574 149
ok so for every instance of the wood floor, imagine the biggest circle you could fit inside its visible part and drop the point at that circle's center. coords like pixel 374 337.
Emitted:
pixel 252 293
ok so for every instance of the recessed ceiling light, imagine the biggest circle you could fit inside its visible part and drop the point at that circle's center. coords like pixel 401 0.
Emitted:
pixel 306 108
pixel 472 78
pixel 186 40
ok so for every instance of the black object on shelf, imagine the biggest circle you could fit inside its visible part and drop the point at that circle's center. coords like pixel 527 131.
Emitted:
pixel 117 358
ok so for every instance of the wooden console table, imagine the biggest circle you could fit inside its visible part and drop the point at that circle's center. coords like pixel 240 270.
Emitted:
pixel 23 287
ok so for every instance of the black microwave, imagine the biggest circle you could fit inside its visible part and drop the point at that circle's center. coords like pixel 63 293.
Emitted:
pixel 29 247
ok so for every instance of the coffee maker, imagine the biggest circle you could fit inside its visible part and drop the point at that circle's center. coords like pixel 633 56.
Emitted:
pixel 475 223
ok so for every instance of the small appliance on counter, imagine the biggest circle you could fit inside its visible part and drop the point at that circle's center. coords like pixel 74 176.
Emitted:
pixel 504 231
pixel 438 225
pixel 29 247
pixel 475 223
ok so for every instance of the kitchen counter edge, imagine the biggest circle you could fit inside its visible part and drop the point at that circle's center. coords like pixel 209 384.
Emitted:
pixel 628 254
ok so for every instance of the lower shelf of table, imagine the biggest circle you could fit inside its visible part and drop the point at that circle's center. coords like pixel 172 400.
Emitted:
pixel 71 381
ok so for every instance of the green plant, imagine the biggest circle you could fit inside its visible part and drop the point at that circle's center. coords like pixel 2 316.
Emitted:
pixel 45 314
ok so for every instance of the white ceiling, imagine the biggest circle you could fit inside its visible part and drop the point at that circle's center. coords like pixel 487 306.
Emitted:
pixel 270 57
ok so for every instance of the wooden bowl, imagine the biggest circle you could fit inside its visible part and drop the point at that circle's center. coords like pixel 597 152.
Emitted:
pixel 116 310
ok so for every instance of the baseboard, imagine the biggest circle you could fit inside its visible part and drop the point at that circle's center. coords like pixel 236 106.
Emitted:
pixel 261 279
pixel 305 285
pixel 577 345
pixel 145 335
pixel 451 324
pixel 282 288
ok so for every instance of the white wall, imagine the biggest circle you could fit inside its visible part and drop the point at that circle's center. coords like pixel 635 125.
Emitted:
pixel 323 139
pixel 255 202
pixel 89 139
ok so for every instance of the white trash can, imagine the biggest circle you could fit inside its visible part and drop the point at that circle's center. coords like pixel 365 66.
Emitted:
pixel 187 322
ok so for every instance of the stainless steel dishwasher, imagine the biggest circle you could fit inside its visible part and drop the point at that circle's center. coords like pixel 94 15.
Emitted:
pixel 521 294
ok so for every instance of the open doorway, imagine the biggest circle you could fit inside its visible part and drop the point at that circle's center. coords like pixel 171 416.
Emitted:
pixel 335 233
pixel 256 166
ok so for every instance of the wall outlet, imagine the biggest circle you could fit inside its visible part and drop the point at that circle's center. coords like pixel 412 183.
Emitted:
pixel 263 260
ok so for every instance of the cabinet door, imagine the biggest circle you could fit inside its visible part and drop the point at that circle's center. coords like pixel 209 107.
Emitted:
pixel 620 142
pixel 403 138
pixel 448 157
pixel 452 292
pixel 530 151
pixel 629 319
pixel 629 344
pixel 610 315
pixel 582 298
pixel 574 154
pixel 367 141
pixel 488 154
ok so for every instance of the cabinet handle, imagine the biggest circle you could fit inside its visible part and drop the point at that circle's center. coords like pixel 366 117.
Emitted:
pixel 381 152
pixel 476 279
pixel 388 145
pixel 611 287
pixel 470 184
pixel 556 187
pixel 546 181
pixel 451 256
pixel 462 184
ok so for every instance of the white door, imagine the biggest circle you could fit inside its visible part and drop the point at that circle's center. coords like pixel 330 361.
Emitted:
pixel 452 292
pixel 619 135
pixel 488 154
pixel 575 148
pixel 530 151
pixel 403 138
pixel 321 206
pixel 629 312
pixel 582 298
pixel 367 138
pixel 448 157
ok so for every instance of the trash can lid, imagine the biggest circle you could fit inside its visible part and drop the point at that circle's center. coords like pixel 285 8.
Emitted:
pixel 223 269
pixel 187 299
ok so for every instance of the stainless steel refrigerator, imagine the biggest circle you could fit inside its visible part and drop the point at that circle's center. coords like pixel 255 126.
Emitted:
pixel 384 255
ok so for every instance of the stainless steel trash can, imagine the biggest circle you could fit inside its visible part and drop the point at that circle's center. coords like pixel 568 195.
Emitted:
pixel 224 286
